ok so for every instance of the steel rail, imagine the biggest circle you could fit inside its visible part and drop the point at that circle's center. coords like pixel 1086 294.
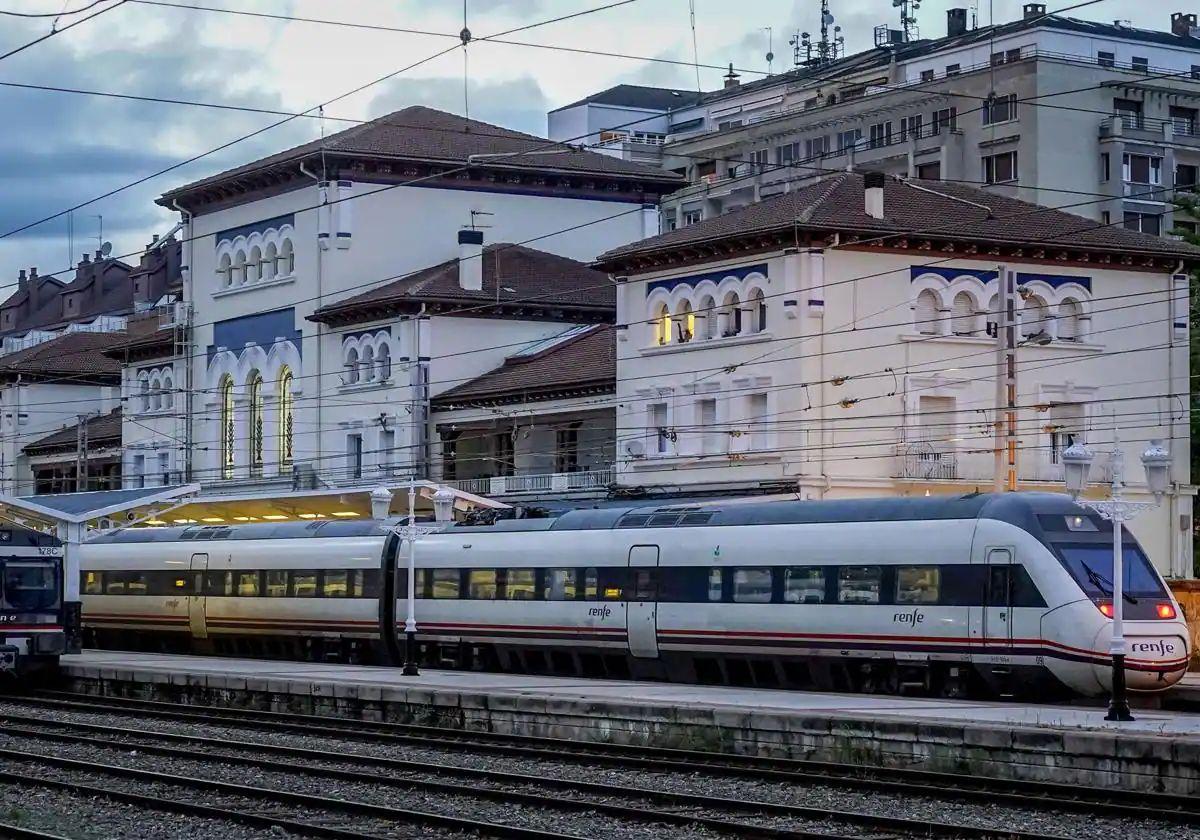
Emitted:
pixel 924 828
pixel 349 807
pixel 1045 795
pixel 20 832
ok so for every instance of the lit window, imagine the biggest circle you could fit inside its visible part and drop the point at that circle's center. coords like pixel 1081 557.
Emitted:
pixel 227 426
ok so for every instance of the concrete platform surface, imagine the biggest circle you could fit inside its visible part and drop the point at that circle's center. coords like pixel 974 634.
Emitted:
pixel 1154 724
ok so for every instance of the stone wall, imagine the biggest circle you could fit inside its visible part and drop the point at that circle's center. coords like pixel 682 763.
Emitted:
pixel 1187 592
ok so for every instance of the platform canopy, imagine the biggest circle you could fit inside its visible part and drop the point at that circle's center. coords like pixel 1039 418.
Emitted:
pixel 103 510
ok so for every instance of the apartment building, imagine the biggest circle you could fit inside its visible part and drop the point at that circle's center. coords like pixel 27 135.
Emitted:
pixel 835 341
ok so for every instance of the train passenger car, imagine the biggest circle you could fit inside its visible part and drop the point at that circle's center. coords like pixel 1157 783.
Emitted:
pixel 33 620
pixel 979 594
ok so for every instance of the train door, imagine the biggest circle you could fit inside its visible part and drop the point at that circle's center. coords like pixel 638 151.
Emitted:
pixel 997 601
pixel 641 612
pixel 195 598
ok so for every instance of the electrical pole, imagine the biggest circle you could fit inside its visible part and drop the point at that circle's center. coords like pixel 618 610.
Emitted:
pixel 81 452
pixel 1005 472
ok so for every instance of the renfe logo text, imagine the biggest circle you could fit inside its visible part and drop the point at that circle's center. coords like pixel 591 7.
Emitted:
pixel 1161 647
pixel 912 619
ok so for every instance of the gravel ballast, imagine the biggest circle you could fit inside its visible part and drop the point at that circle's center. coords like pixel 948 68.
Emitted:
pixel 712 784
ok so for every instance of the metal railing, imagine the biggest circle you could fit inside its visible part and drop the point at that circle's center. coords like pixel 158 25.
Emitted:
pixel 927 462
pixel 560 482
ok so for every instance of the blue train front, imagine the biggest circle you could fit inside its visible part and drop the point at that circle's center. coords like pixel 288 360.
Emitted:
pixel 34 619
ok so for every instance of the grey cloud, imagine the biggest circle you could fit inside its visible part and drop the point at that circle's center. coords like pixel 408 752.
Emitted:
pixel 518 104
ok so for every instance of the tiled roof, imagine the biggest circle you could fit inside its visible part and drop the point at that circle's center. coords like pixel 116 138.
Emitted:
pixel 73 355
pixel 425 134
pixel 102 430
pixel 585 361
pixel 143 336
pixel 511 274
pixel 112 295
pixel 935 208
pixel 639 96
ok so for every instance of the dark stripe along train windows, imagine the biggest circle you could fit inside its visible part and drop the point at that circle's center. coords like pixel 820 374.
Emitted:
pixel 925 585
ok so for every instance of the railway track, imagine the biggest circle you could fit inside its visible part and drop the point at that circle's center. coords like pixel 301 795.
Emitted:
pixel 655 806
pixel 1035 795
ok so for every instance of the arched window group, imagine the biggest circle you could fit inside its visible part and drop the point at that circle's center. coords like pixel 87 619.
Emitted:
pixel 968 307
pixel 268 255
pixel 255 429
pixel 155 390
pixel 367 358
pixel 736 306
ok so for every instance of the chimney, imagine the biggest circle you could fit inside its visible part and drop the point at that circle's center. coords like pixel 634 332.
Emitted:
pixel 873 194
pixel 1183 24
pixel 732 79
pixel 956 22
pixel 22 282
pixel 1034 10
pixel 99 256
pixel 84 260
pixel 470 260
pixel 33 273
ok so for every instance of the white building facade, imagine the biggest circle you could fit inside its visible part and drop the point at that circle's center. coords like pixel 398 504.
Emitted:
pixel 803 347
pixel 277 397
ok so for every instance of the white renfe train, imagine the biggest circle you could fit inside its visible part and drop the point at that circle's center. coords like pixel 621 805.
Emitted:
pixel 972 595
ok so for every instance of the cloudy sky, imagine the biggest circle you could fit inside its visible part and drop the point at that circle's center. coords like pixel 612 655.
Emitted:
pixel 58 149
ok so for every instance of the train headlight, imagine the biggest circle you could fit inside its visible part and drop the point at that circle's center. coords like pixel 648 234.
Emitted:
pixel 1105 608
pixel 1165 610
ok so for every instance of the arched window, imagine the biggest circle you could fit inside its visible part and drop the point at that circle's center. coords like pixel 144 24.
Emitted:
pixel 685 322
pixel 287 257
pixel 925 313
pixel 254 388
pixel 284 388
pixel 1035 318
pixel 662 324
pixel 144 391
pixel 730 316
pixel 368 363
pixel 993 316
pixel 168 391
pixel 254 267
pixel 351 366
pixel 227 420
pixel 758 311
pixel 155 393
pixel 1068 320
pixel 239 268
pixel 708 317
pixel 385 362
pixel 962 319
pixel 270 261
pixel 225 272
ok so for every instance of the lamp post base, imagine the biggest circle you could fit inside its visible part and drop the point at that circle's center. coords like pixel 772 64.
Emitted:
pixel 410 655
pixel 1118 705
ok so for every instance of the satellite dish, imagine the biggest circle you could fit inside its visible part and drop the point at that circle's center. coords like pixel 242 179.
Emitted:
pixel 827 18
pixel 635 449
pixel 770 57
pixel 106 249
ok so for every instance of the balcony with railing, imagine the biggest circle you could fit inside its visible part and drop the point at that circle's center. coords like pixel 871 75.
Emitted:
pixel 561 482
pixel 1180 130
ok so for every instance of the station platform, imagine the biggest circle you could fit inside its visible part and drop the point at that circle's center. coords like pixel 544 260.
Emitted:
pixel 1160 750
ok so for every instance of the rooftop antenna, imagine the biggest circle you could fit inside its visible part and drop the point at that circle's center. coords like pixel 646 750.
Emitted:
pixel 770 49
pixel 100 232
pixel 908 18
pixel 825 49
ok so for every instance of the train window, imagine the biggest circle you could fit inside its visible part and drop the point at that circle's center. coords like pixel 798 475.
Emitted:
pixel 93 583
pixel 445 583
pixel 247 584
pixel 714 584
pixel 30 585
pixel 136 583
pixel 176 583
pixel 366 584
pixel 218 583
pixel 560 585
pixel 859 584
pixel 918 584
pixel 114 583
pixel 421 583
pixel 336 583
pixel 752 586
pixel 590 586
pixel 481 584
pixel 611 583
pixel 520 585
pixel 645 584
pixel 276 583
pixel 804 585
pixel 304 585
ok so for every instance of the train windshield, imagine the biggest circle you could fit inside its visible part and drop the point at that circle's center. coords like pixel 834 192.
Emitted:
pixel 28 585
pixel 1092 568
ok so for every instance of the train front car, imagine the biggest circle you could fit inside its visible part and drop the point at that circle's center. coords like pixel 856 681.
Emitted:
pixel 32 632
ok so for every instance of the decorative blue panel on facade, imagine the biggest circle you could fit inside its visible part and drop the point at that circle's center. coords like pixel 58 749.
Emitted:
pixel 256 227
pixel 261 328
pixel 951 274
pixel 1055 280
pixel 714 276
pixel 360 333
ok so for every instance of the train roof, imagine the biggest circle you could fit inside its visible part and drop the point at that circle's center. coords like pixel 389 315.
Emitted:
pixel 1020 509
pixel 18 536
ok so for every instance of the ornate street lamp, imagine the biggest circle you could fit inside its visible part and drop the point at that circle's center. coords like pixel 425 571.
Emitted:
pixel 1077 460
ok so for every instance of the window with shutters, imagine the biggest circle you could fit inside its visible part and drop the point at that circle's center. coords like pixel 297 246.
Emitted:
pixel 661 434
pixel 662 324
pixel 925 313
pixel 962 320
pixel 937 422
pixel 1000 169
pixel 1035 318
pixel 993 316
pixel 712 440
pixel 685 323
pixel 1068 320
pixel 1066 427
